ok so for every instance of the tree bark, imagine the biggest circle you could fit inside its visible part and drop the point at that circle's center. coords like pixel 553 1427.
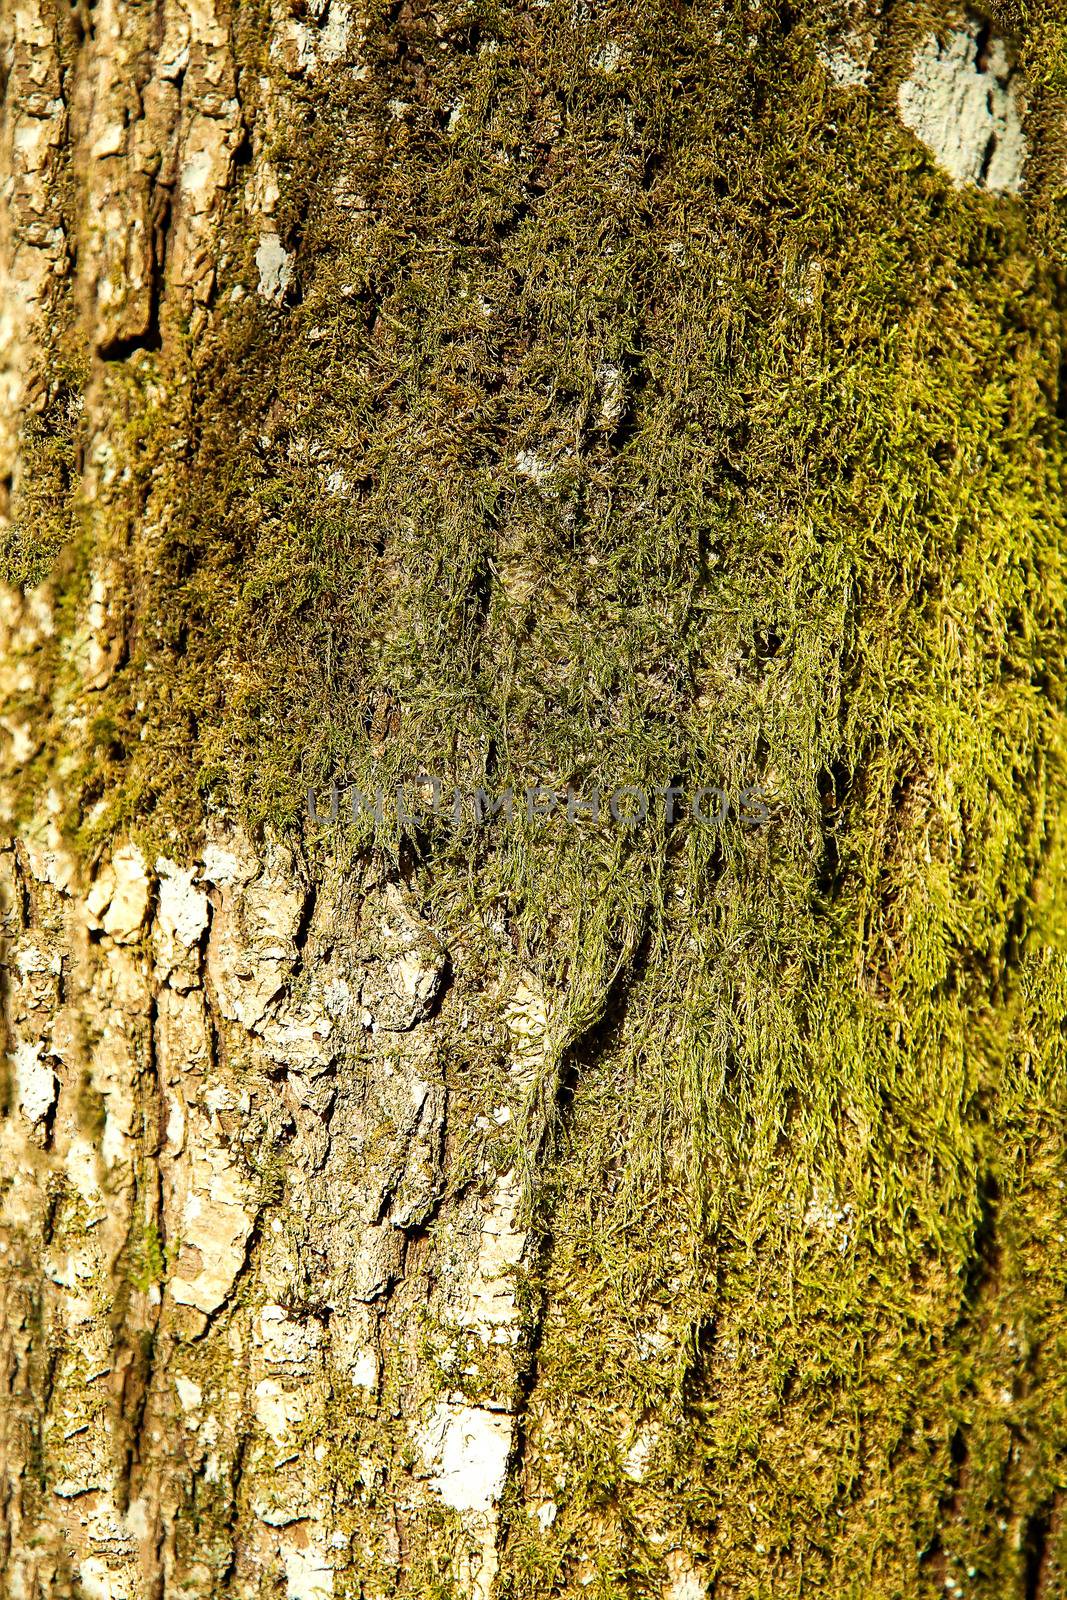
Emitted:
pixel 559 398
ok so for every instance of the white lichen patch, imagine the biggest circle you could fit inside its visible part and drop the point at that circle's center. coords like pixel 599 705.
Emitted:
pixel 489 1298
pixel 285 1343
pixel 639 1455
pixel 333 39
pixel 530 464
pixel 612 382
pixel 960 99
pixel 465 1450
pixel 36 1083
pixel 527 1022
pixel 118 900
pixel 183 910
pixel 275 267
pixel 545 1513
pixel 278 1410
pixel 403 984
pixel 833 1221
pixel 683 1582
pixel 216 1223
pixel 363 1373
pixel 308 1573
pixel 464 1447
pixel 609 57
pixel 99 1581
pixel 847 59
pixel 652 1343
pixel 293 47
pixel 190 1395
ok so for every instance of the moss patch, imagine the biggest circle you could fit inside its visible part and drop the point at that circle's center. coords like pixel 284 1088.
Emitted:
pixel 649 410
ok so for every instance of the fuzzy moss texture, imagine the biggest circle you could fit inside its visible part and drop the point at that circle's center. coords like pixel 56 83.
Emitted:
pixel 677 422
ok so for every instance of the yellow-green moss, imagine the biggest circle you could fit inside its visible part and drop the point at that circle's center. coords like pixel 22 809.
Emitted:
pixel 44 509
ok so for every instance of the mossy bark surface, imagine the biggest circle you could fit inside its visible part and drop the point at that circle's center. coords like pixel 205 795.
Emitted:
pixel 548 397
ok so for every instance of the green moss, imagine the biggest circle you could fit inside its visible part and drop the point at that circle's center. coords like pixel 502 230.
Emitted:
pixel 146 1259
pixel 44 506
pixel 811 1073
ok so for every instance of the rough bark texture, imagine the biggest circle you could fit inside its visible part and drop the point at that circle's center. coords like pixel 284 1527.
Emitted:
pixel 624 394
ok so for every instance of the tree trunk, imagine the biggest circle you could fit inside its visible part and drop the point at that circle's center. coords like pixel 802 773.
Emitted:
pixel 532 681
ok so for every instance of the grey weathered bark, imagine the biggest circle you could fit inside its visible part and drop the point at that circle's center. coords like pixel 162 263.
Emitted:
pixel 189 1041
